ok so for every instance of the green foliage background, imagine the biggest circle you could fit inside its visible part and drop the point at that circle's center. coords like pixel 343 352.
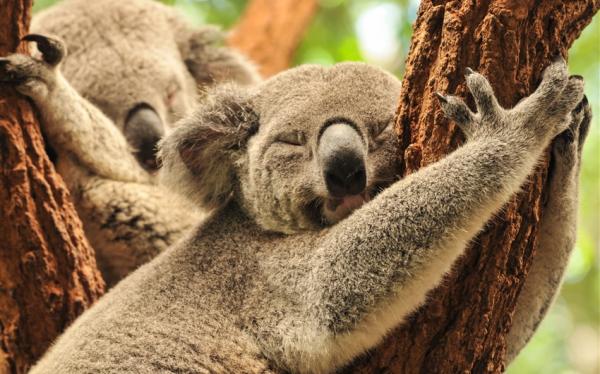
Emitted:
pixel 568 340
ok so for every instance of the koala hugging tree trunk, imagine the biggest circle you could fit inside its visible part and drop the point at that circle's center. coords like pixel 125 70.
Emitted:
pixel 48 273
pixel 464 325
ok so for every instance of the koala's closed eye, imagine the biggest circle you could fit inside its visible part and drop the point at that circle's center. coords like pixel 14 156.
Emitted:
pixel 296 138
pixel 379 133
pixel 379 128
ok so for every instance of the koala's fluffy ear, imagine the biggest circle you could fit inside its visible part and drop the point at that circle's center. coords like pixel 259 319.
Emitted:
pixel 197 157
pixel 209 61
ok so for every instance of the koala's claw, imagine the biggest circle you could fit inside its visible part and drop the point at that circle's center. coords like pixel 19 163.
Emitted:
pixel 441 97
pixel 584 126
pixel 569 143
pixel 483 94
pixel 584 111
pixel 542 115
pixel 31 77
pixel 53 49
pixel 28 73
pixel 485 100
pixel 456 110
pixel 569 97
pixel 554 80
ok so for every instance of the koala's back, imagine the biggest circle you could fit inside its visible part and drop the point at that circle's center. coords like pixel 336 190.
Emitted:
pixel 169 316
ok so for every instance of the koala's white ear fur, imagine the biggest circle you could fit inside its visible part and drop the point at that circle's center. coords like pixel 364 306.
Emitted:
pixel 209 61
pixel 197 157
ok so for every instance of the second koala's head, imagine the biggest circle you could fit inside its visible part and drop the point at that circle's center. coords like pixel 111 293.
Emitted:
pixel 140 63
pixel 299 151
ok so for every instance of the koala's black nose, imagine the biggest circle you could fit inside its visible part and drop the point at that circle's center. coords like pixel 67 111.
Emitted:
pixel 346 177
pixel 143 129
pixel 342 156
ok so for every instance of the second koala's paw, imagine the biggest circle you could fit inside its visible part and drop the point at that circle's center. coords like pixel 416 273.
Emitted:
pixel 53 49
pixel 31 76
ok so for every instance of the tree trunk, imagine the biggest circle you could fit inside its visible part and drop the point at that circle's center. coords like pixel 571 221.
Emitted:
pixel 48 272
pixel 463 326
pixel 270 31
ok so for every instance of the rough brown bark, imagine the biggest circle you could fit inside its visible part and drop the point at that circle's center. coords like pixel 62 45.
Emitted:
pixel 269 32
pixel 48 272
pixel 463 326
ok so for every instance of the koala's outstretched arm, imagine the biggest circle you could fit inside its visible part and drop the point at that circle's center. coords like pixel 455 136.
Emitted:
pixel 81 134
pixel 557 232
pixel 375 267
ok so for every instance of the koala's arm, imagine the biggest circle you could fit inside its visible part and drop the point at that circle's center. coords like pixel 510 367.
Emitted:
pixel 557 233
pixel 78 131
pixel 375 267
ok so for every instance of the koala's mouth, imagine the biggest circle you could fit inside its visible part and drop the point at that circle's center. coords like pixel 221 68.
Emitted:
pixel 336 209
pixel 330 210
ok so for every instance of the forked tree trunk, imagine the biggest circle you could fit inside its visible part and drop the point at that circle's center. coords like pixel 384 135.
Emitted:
pixel 464 325
pixel 269 32
pixel 48 272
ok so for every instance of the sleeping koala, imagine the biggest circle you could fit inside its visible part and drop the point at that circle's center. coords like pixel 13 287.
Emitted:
pixel 313 252
pixel 134 68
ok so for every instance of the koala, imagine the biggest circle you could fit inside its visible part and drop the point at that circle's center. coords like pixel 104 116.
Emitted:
pixel 314 251
pixel 133 69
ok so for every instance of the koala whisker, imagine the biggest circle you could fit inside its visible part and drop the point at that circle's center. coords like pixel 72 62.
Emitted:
pixel 315 211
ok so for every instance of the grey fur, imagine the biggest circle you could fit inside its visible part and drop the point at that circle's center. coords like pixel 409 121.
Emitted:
pixel 122 54
pixel 265 282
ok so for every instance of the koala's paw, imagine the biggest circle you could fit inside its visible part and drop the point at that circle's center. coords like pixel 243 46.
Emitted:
pixel 488 109
pixel 31 76
pixel 548 110
pixel 537 118
pixel 567 146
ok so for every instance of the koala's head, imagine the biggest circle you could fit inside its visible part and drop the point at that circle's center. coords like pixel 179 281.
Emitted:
pixel 301 150
pixel 140 63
